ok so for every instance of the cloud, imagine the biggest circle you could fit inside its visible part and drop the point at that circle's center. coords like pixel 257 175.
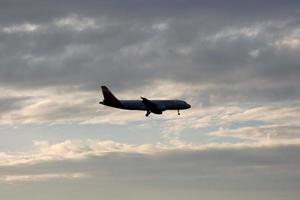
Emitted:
pixel 237 63
pixel 12 103
pixel 12 179
pixel 70 104
pixel 72 150
pixel 20 28
pixel 217 57
pixel 276 114
pixel 44 152
pixel 210 106
pixel 207 172
pixel 115 47
pixel 263 133
pixel 76 23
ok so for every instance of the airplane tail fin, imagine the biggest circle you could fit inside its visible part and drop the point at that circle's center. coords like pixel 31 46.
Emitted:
pixel 109 98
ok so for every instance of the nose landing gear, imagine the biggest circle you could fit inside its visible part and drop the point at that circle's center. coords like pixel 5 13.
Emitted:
pixel 178 112
pixel 147 113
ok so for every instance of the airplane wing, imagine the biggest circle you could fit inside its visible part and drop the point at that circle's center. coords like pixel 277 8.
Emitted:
pixel 151 106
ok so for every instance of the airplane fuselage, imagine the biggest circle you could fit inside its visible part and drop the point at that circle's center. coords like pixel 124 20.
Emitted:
pixel 151 106
pixel 161 105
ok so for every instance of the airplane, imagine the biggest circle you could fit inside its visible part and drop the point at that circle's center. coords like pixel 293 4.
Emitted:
pixel 150 106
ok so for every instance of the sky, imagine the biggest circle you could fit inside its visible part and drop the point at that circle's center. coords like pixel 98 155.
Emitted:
pixel 236 62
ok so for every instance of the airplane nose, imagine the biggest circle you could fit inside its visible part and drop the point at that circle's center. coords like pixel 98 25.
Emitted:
pixel 188 105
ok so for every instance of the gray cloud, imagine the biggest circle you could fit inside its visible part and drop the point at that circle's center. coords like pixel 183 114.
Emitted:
pixel 263 172
pixel 121 46
pixel 236 62
pixel 12 103
pixel 223 55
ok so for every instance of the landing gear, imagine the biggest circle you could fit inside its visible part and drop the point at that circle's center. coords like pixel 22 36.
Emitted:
pixel 178 112
pixel 147 113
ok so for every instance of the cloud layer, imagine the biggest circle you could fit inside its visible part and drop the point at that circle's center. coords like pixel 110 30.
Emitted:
pixel 265 172
pixel 237 63
pixel 234 56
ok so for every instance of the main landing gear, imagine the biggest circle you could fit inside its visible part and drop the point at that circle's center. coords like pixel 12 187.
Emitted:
pixel 147 113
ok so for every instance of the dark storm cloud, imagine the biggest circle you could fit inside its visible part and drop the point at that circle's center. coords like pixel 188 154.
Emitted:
pixel 132 43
